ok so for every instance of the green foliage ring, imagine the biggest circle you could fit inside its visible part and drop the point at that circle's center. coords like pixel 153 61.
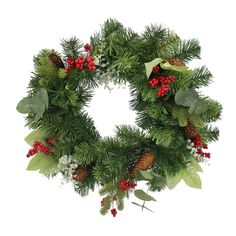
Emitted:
pixel 65 140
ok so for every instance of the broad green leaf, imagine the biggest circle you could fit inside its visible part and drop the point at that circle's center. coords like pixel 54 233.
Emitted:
pixel 24 106
pixel 185 97
pixel 142 206
pixel 149 65
pixel 36 135
pixel 167 66
pixel 200 107
pixel 172 181
pixel 192 179
pixel 34 163
pixel 194 166
pixel 42 163
pixel 146 174
pixel 139 193
pixel 47 163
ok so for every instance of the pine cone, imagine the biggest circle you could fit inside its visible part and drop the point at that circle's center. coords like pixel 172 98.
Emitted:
pixel 144 162
pixel 56 60
pixel 81 173
pixel 176 62
pixel 190 131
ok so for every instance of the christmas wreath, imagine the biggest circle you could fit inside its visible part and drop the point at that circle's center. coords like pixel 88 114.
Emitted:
pixel 172 125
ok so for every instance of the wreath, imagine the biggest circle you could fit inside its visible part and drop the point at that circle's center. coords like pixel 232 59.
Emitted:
pixel 171 132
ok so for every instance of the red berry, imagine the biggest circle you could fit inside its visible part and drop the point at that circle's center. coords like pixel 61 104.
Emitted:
pixel 87 47
pixel 114 212
pixel 70 61
pixel 156 69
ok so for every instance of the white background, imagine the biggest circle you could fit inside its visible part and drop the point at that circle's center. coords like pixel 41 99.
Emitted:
pixel 32 205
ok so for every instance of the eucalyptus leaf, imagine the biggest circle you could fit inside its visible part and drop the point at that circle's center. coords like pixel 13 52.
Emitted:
pixel 146 174
pixel 24 106
pixel 200 107
pixel 139 193
pixel 149 65
pixel 186 97
pixel 44 96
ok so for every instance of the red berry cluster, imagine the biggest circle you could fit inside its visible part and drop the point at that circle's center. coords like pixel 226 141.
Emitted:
pixel 38 147
pixel 199 146
pixel 114 212
pixel 125 185
pixel 81 62
pixel 165 82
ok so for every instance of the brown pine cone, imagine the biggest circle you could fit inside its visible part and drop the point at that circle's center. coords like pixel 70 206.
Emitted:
pixel 144 162
pixel 56 60
pixel 176 62
pixel 190 131
pixel 81 173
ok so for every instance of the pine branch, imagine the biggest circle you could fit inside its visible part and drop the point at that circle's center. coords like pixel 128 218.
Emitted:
pixel 188 50
pixel 71 47
pixel 201 77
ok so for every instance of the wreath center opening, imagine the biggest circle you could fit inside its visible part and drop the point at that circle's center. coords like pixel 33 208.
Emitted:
pixel 109 108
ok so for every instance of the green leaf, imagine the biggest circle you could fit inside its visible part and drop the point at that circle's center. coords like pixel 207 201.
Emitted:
pixel 146 174
pixel 167 66
pixel 180 113
pixel 192 179
pixel 185 97
pixel 194 166
pixel 200 107
pixel 139 193
pixel 149 65
pixel 172 181
pixel 24 106
pixel 38 108
pixel 42 163
pixel 38 135
pixel 143 207
pixel 34 163
pixel 44 96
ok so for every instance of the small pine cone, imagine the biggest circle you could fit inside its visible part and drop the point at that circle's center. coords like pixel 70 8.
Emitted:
pixel 56 60
pixel 81 173
pixel 190 131
pixel 176 62
pixel 144 162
